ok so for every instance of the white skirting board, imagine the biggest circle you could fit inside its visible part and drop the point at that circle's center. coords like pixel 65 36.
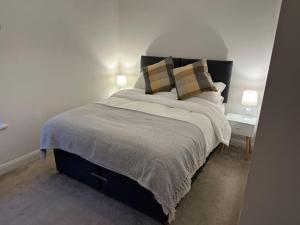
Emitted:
pixel 18 162
pixel 25 159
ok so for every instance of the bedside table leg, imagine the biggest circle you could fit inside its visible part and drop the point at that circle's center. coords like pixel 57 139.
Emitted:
pixel 248 148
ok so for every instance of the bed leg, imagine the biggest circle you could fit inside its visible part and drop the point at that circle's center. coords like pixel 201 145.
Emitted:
pixel 223 147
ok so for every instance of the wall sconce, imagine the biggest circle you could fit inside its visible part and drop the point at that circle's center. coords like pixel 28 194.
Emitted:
pixel 249 99
pixel 121 81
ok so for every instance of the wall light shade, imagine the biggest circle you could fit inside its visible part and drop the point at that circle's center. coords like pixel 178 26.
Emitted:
pixel 121 81
pixel 249 98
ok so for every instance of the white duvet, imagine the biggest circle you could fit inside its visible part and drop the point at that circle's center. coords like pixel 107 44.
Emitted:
pixel 156 140
pixel 209 117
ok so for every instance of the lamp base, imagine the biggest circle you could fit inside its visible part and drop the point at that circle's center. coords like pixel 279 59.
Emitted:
pixel 247 111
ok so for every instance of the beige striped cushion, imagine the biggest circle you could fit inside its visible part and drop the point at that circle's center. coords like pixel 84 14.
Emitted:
pixel 193 79
pixel 159 76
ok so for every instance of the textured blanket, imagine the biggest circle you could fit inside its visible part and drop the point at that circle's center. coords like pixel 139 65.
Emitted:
pixel 160 153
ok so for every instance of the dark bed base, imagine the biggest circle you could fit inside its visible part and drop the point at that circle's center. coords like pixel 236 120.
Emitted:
pixel 110 183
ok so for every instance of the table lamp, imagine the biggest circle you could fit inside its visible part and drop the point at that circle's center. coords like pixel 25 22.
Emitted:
pixel 121 81
pixel 249 100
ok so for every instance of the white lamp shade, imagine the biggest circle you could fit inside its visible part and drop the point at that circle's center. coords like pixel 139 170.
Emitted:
pixel 121 81
pixel 249 98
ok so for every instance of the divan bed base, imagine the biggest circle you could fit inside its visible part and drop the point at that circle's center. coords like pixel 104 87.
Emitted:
pixel 111 183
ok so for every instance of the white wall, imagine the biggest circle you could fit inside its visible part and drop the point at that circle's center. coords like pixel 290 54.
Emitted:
pixel 238 30
pixel 54 55
pixel 59 54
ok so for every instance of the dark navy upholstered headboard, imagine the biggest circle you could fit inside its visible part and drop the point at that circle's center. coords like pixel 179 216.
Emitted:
pixel 219 70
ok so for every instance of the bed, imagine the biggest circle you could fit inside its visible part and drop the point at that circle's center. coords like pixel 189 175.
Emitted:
pixel 143 150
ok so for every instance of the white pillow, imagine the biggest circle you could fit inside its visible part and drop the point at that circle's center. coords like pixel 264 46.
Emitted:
pixel 212 96
pixel 220 86
pixel 140 83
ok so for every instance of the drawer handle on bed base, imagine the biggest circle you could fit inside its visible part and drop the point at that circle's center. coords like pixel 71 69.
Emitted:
pixel 99 177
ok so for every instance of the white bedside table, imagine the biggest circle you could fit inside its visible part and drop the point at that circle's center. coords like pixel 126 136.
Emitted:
pixel 245 126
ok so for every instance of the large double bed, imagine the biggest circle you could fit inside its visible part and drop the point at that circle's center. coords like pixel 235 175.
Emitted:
pixel 144 150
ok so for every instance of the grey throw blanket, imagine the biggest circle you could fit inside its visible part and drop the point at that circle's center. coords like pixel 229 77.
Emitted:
pixel 160 153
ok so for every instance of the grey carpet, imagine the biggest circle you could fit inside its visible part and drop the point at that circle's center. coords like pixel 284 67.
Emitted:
pixel 38 195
